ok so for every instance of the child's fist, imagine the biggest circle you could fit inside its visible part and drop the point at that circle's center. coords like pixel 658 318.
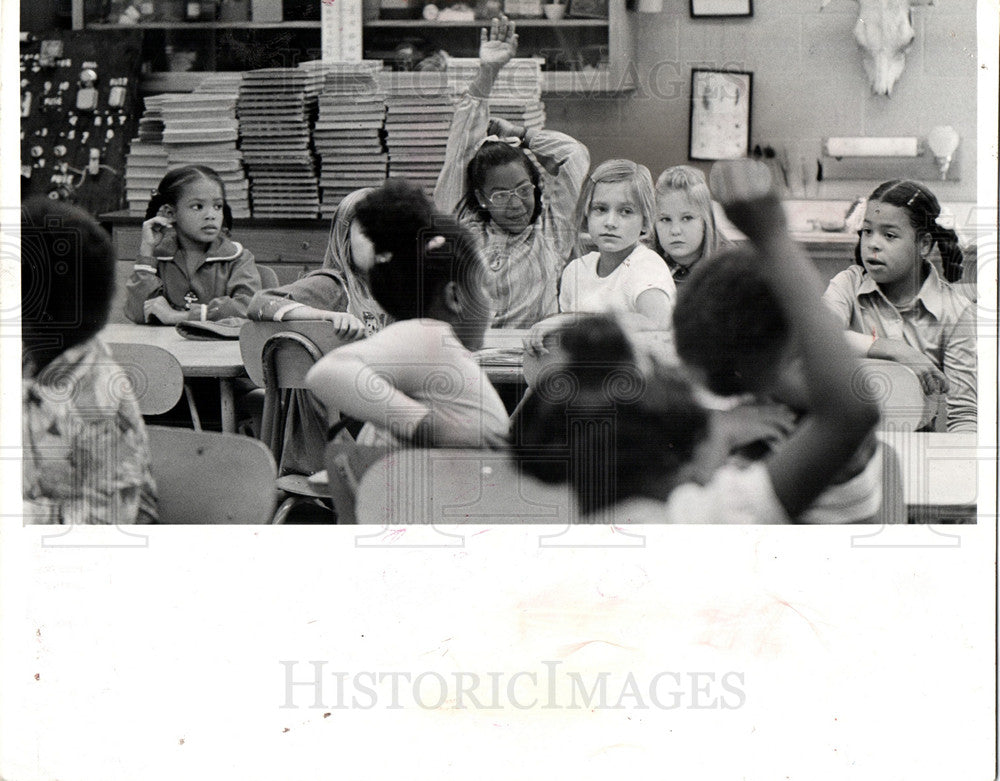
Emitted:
pixel 744 189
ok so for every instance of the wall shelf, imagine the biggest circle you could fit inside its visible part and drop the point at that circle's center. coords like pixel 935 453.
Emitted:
pixel 309 25
pixel 571 47
pixel 423 24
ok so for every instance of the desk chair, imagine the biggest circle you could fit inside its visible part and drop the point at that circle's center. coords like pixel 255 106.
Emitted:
pixel 268 278
pixel 346 464
pixel 445 486
pixel 897 391
pixel 155 375
pixel 277 357
pixel 204 477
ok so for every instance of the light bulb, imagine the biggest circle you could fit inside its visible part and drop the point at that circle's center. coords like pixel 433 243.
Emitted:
pixel 943 141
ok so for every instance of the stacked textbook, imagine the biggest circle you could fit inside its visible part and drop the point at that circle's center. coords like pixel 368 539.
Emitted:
pixel 146 161
pixel 201 128
pixel 349 131
pixel 275 108
pixel 419 110
pixel 517 91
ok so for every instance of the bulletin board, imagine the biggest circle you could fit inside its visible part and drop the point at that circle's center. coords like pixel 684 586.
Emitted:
pixel 74 137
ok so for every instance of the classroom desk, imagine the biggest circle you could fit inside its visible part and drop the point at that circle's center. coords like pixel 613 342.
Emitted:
pixel 217 358
pixel 939 473
pixel 456 486
pixel 442 486
pixel 502 354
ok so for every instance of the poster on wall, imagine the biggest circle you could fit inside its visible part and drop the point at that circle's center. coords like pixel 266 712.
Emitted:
pixel 720 114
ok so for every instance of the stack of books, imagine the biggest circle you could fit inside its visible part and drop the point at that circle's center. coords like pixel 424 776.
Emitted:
pixel 419 110
pixel 146 161
pixel 517 91
pixel 350 131
pixel 276 108
pixel 201 128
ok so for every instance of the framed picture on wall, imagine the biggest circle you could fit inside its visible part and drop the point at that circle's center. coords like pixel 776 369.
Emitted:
pixel 717 8
pixel 720 114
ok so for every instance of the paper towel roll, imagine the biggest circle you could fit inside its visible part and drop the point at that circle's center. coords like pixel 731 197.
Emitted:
pixel 865 146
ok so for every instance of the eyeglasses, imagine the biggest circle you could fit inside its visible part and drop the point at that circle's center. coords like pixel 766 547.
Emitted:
pixel 503 198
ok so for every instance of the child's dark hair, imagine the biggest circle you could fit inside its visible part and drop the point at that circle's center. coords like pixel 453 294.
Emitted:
pixel 426 250
pixel 489 156
pixel 67 278
pixel 597 422
pixel 171 187
pixel 923 209
pixel 728 323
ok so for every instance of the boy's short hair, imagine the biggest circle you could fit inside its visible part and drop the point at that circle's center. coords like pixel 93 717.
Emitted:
pixel 728 323
pixel 67 277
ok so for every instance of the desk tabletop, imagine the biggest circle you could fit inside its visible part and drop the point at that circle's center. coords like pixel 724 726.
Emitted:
pixel 210 358
pixel 940 470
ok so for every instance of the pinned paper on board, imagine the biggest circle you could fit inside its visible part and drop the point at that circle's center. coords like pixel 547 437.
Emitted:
pixel 720 114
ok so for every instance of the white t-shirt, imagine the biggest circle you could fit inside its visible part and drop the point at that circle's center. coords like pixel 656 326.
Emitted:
pixel 581 290
pixel 733 496
pixel 424 360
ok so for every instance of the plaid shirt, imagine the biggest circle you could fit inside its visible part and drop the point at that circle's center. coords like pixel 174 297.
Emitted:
pixel 85 452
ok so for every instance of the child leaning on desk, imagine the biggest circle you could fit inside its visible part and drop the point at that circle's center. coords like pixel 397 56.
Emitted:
pixel 638 468
pixel 188 268
pixel 416 380
pixel 894 304
pixel 85 452
pixel 340 290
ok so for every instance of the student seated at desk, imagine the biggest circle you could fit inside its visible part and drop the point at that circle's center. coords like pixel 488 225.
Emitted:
pixel 514 188
pixel 624 275
pixel 641 466
pixel 85 452
pixel 894 304
pixel 188 268
pixel 339 291
pixel 416 380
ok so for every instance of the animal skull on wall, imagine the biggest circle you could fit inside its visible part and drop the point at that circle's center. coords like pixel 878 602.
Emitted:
pixel 884 31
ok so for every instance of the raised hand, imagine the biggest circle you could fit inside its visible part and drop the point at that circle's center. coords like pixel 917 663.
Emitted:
pixel 504 129
pixel 745 190
pixel 499 45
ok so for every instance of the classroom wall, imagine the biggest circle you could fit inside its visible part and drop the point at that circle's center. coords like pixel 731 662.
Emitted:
pixel 808 83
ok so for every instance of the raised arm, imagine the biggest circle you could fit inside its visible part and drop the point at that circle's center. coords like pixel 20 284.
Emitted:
pixel 471 119
pixel 839 420
pixel 565 163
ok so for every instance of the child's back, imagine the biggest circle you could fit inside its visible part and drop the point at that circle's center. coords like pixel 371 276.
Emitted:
pixel 85 453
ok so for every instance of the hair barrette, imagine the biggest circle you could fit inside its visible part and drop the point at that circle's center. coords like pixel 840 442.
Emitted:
pixel 435 243
pixel 153 193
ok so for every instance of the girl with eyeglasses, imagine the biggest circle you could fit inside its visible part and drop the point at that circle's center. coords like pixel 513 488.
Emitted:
pixel 516 190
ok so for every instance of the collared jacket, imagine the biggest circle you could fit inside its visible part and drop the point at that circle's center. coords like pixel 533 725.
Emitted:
pixel 221 286
pixel 940 323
